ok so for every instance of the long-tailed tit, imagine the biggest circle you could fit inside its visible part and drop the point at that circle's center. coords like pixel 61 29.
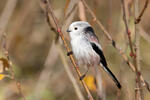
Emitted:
pixel 86 47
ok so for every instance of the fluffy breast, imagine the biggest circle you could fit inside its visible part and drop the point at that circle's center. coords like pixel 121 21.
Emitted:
pixel 83 51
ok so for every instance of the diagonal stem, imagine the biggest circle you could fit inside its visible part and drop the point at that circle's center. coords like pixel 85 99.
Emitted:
pixel 68 50
pixel 139 92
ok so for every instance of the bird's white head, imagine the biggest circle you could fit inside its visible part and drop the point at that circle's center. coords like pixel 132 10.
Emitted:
pixel 77 28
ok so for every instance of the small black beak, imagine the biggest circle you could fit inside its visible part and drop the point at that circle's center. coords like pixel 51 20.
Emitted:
pixel 68 30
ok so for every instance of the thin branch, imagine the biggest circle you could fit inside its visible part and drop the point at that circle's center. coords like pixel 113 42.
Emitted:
pixel 50 55
pixel 43 80
pixel 70 75
pixel 138 19
pixel 127 28
pixel 100 91
pixel 82 14
pixel 99 84
pixel 134 53
pixel 6 14
pixel 112 41
pixel 66 6
pixel 145 35
pixel 97 21
pixel 74 7
pixel 68 49
pixel 51 25
pixel 138 90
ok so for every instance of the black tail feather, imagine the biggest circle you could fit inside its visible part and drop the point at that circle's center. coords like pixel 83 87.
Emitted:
pixel 112 76
pixel 104 64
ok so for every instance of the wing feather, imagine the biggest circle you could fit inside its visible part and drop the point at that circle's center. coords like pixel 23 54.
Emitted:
pixel 104 63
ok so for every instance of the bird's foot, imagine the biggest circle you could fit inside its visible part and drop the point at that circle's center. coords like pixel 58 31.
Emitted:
pixel 69 53
pixel 82 77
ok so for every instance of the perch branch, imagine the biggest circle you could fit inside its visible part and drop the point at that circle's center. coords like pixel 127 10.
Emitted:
pixel 68 49
pixel 99 87
pixel 70 75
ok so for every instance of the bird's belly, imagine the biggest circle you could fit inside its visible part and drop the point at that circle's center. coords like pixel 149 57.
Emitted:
pixel 88 58
pixel 84 53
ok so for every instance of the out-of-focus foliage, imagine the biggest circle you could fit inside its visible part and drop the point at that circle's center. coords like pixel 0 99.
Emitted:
pixel 90 81
pixel 2 76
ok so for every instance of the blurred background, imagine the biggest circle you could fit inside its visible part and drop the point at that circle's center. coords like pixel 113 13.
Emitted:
pixel 41 64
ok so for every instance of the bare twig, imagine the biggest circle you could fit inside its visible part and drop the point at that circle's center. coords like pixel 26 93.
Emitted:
pixel 49 62
pixel 74 7
pixel 139 90
pixel 66 6
pixel 112 41
pixel 68 49
pixel 43 80
pixel 81 7
pixel 134 53
pixel 99 85
pixel 127 28
pixel 138 19
pixel 97 21
pixel 43 5
pixel 100 90
pixel 71 77
pixel 145 35
pixel 51 25
pixel 6 14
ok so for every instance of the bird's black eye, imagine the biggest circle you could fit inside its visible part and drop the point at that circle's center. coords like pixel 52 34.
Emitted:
pixel 75 28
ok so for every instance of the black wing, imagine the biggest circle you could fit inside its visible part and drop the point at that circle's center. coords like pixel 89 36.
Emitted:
pixel 104 64
pixel 89 31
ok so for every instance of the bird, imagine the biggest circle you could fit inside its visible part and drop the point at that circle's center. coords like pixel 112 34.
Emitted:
pixel 86 48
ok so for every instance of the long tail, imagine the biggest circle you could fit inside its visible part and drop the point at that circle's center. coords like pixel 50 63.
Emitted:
pixel 112 76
